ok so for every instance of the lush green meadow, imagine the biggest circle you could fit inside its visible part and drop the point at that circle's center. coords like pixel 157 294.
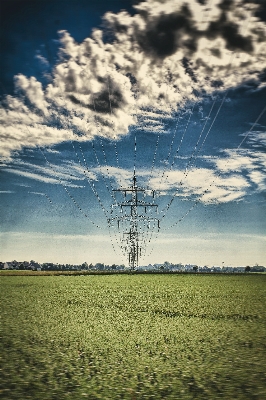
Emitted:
pixel 133 337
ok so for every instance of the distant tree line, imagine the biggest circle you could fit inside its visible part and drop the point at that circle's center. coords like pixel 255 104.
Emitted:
pixel 165 267
pixel 49 266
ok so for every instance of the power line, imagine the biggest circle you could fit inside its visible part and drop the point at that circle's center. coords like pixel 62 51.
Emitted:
pixel 206 191
pixel 164 211
pixel 91 184
pixel 61 182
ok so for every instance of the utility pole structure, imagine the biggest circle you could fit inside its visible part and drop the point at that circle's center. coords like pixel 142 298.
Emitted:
pixel 134 211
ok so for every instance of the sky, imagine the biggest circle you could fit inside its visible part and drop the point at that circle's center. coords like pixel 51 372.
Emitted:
pixel 92 91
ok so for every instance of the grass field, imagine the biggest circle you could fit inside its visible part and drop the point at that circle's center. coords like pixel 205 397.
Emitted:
pixel 133 337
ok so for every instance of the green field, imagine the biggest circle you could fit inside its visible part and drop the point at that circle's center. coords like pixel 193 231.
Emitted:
pixel 133 337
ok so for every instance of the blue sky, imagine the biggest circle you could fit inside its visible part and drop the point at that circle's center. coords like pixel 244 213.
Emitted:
pixel 82 82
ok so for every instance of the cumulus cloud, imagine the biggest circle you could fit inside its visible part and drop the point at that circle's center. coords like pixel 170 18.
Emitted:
pixel 32 91
pixel 250 164
pixel 167 54
pixel 202 183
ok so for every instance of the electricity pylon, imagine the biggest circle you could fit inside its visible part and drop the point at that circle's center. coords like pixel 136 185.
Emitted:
pixel 134 211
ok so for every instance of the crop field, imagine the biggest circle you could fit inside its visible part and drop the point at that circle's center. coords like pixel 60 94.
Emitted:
pixel 133 337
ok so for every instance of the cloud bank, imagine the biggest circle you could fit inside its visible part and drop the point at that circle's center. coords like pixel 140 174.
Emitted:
pixel 232 176
pixel 166 55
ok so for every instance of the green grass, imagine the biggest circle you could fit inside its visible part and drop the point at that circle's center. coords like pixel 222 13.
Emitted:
pixel 133 337
pixel 17 272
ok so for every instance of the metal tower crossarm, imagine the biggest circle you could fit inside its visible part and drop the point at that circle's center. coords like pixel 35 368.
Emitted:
pixel 134 237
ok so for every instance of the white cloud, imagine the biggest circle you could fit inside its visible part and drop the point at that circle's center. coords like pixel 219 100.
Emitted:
pixel 52 151
pixel 32 90
pixel 42 60
pixel 203 183
pixel 232 176
pixel 158 59
pixel 257 138
pixel 32 175
pixel 259 178
pixel 251 164
pixel 122 177
pixel 65 174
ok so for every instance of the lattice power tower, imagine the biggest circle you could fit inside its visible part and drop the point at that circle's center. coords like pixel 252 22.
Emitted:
pixel 136 216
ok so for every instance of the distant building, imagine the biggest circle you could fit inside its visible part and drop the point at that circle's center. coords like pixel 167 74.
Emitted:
pixel 34 266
